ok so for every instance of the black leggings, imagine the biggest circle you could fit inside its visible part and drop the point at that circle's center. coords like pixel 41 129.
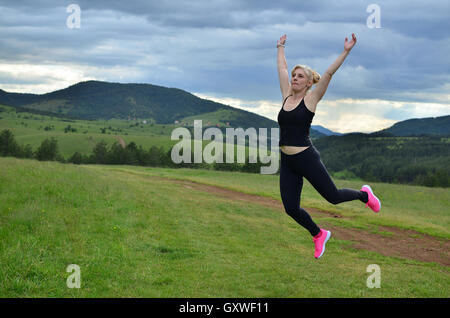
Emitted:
pixel 308 164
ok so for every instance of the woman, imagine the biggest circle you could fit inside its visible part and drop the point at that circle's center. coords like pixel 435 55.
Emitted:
pixel 299 158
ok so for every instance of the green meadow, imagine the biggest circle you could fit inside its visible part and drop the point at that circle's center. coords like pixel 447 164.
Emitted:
pixel 135 234
pixel 29 128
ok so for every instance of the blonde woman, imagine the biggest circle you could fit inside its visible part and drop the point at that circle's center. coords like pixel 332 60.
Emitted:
pixel 299 158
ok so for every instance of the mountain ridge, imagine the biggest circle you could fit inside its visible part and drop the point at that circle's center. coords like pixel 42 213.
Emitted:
pixel 105 100
pixel 418 127
pixel 97 99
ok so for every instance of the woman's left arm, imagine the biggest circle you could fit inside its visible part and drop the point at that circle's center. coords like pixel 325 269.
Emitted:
pixel 325 78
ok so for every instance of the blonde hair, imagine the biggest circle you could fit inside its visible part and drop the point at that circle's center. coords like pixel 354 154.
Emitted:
pixel 310 73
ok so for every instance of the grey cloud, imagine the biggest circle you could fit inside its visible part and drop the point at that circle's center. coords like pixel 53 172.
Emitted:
pixel 229 46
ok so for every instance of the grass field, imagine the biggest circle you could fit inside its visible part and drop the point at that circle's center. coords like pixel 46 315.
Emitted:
pixel 29 128
pixel 134 234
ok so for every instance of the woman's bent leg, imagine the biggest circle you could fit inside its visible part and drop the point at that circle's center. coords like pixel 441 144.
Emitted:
pixel 290 188
pixel 316 173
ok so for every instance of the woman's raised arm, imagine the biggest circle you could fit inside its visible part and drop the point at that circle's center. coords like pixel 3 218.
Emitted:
pixel 321 86
pixel 283 74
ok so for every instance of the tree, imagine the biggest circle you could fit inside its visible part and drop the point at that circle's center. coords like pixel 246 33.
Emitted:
pixel 76 158
pixel 8 145
pixel 155 156
pixel 48 150
pixel 100 153
pixel 26 151
pixel 118 155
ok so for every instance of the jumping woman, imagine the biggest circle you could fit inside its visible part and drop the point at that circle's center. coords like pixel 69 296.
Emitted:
pixel 299 158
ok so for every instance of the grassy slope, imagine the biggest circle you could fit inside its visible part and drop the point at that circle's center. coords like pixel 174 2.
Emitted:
pixel 213 117
pixel 134 236
pixel 410 207
pixel 26 131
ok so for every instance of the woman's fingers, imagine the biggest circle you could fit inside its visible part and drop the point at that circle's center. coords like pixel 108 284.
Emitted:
pixel 353 38
pixel 348 45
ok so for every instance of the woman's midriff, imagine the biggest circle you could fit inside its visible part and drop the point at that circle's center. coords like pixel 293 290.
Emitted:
pixel 292 150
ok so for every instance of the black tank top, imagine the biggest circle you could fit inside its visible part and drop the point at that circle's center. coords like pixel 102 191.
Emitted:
pixel 295 125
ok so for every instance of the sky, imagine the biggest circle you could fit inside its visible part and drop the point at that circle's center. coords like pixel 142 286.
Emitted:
pixel 225 50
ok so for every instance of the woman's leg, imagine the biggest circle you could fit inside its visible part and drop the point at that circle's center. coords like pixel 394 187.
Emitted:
pixel 316 173
pixel 291 184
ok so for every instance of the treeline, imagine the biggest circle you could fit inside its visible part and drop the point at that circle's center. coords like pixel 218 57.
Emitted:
pixel 407 160
pixel 48 150
pixel 116 154
pixel 135 155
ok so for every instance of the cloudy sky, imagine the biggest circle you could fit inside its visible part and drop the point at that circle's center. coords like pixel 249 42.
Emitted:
pixel 225 50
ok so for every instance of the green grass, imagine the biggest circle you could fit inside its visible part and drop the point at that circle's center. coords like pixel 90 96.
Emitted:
pixel 417 208
pixel 213 117
pixel 136 236
pixel 29 128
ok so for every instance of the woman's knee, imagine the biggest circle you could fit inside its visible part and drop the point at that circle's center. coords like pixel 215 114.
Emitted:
pixel 291 210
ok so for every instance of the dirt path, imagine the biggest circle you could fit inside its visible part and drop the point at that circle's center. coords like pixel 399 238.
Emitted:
pixel 403 243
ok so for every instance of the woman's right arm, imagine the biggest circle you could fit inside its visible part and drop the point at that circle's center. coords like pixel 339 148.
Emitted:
pixel 283 74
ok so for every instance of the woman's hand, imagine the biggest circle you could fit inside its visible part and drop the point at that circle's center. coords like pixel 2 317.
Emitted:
pixel 281 41
pixel 349 45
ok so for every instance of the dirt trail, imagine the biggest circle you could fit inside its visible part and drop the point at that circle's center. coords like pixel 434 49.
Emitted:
pixel 403 243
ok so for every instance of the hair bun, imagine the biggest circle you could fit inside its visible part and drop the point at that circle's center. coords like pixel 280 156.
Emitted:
pixel 316 77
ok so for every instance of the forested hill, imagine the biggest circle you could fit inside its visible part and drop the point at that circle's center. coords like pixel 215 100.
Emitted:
pixel 104 100
pixel 421 160
pixel 163 105
pixel 420 127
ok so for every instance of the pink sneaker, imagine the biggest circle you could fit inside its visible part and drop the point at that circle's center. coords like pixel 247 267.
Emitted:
pixel 319 241
pixel 374 203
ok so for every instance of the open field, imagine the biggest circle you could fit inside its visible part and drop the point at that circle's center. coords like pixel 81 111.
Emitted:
pixel 152 232
pixel 29 128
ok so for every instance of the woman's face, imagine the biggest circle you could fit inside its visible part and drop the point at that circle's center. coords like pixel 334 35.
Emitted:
pixel 299 80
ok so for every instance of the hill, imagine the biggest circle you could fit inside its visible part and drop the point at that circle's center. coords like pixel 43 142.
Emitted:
pixel 157 104
pixel 419 127
pixel 92 100
pixel 420 160
pixel 104 100
pixel 324 131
